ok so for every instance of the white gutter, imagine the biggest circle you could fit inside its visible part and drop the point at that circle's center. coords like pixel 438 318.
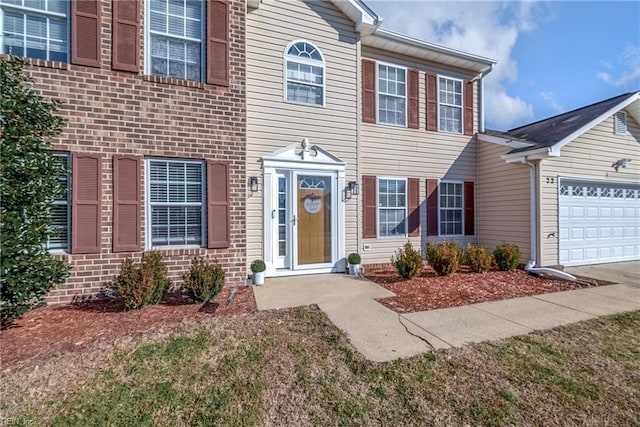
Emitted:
pixel 481 77
pixel 525 156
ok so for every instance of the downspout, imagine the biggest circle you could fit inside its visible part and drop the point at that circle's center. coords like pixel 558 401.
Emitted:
pixel 531 265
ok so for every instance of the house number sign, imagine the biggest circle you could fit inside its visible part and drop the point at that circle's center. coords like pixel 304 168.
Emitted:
pixel 312 205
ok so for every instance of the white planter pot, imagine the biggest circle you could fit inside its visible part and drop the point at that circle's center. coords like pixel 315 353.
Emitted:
pixel 354 269
pixel 258 278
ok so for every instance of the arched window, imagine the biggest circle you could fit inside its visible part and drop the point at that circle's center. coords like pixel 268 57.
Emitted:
pixel 304 73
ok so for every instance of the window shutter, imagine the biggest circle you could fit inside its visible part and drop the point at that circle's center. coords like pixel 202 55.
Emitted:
pixel 414 206
pixel 86 173
pixel 218 42
pixel 469 212
pixel 468 108
pixel 126 35
pixel 368 91
pixel 432 207
pixel 413 106
pixel 85 32
pixel 369 206
pixel 218 204
pixel 126 203
pixel 432 102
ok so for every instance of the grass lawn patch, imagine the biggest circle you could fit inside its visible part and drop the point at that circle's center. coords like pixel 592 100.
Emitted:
pixel 293 367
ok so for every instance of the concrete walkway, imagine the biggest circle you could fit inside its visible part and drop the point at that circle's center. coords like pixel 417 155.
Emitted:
pixel 381 334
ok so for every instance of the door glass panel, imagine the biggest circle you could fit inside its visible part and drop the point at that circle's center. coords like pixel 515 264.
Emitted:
pixel 313 200
pixel 282 216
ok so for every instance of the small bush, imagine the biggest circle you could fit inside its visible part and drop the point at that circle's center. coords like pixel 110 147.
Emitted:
pixel 258 266
pixel 507 256
pixel 203 281
pixel 407 261
pixel 143 285
pixel 478 259
pixel 445 257
pixel 354 259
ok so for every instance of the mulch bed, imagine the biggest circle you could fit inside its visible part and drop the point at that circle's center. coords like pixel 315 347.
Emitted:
pixel 47 331
pixel 430 292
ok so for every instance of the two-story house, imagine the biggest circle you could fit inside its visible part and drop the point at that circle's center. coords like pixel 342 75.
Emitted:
pixel 358 138
pixel 153 93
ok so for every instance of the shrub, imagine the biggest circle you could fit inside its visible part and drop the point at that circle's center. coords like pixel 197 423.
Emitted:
pixel 203 281
pixel 143 285
pixel 29 185
pixel 478 259
pixel 407 261
pixel 507 256
pixel 445 257
pixel 354 259
pixel 258 266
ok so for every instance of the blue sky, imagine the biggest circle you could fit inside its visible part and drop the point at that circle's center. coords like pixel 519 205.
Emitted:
pixel 553 56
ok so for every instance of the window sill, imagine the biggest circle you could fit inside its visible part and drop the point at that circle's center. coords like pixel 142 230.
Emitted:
pixel 392 125
pixel 304 104
pixel 175 82
pixel 42 63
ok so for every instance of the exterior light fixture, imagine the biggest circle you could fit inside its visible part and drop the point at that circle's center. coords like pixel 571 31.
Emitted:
pixel 620 163
pixel 354 188
pixel 253 184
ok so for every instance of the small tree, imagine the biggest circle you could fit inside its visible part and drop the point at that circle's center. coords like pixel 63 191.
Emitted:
pixel 29 183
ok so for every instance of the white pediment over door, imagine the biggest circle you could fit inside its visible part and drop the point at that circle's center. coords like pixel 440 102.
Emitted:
pixel 302 154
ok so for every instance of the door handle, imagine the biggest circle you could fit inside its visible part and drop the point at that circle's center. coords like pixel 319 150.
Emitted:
pixel 273 214
pixel 294 220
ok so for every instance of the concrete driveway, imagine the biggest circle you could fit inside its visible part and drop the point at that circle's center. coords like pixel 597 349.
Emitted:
pixel 627 273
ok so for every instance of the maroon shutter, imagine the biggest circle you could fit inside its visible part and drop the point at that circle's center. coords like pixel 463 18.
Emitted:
pixel 85 32
pixel 218 42
pixel 86 190
pixel 218 204
pixel 368 91
pixel 414 206
pixel 126 35
pixel 432 102
pixel 432 207
pixel 468 108
pixel 126 203
pixel 469 212
pixel 369 206
pixel 413 100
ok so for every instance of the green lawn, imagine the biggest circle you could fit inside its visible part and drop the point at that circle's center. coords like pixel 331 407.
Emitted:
pixel 294 367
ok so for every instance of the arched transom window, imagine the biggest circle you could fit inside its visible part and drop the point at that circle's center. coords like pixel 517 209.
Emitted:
pixel 305 73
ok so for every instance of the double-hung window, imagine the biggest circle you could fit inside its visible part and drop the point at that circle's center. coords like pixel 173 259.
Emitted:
pixel 450 104
pixel 451 208
pixel 35 29
pixel 392 207
pixel 392 95
pixel 175 39
pixel 304 74
pixel 61 212
pixel 176 203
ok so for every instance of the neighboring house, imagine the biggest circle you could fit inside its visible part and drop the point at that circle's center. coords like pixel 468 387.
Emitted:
pixel 567 188
pixel 358 138
pixel 154 97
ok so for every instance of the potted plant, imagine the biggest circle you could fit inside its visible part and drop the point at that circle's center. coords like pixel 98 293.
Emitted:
pixel 257 268
pixel 354 263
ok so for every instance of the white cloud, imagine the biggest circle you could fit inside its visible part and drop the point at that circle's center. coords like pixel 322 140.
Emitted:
pixel 489 29
pixel 552 100
pixel 625 72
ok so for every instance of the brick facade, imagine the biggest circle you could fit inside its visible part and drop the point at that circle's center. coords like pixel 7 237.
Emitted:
pixel 120 113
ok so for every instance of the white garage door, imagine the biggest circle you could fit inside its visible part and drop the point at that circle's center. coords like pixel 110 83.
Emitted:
pixel 599 222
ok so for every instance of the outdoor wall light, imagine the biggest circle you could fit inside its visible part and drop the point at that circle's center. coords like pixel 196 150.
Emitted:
pixel 253 184
pixel 354 188
pixel 620 163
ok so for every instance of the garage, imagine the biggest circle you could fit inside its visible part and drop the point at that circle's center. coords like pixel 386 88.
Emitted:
pixel 598 222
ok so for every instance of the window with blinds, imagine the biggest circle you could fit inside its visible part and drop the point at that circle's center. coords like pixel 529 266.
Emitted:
pixel 61 212
pixel 451 208
pixel 175 202
pixel 392 207
pixel 35 29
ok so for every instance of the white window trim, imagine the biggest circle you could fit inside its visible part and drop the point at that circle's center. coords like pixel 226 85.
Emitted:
pixel 461 106
pixel 147 42
pixel 462 209
pixel 406 203
pixel 406 89
pixel 620 119
pixel 33 11
pixel 306 61
pixel 148 244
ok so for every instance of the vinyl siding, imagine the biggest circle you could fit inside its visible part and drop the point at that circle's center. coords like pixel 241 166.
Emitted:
pixel 401 152
pixel 503 200
pixel 273 124
pixel 588 156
